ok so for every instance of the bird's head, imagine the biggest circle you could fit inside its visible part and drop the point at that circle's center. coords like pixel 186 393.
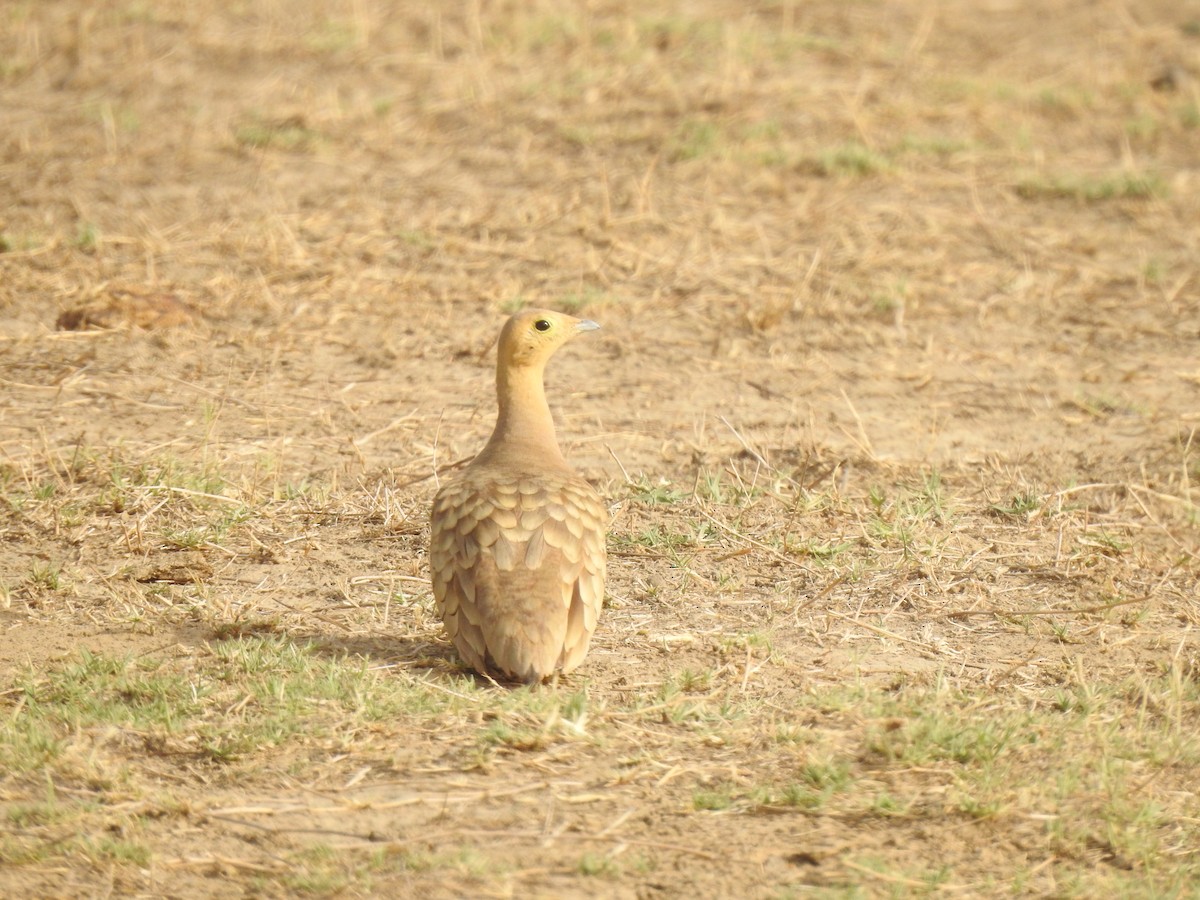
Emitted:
pixel 530 337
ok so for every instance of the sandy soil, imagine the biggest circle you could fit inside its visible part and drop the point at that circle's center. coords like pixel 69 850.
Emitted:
pixel 897 386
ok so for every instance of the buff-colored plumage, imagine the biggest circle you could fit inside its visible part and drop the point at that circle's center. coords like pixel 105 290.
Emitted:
pixel 517 551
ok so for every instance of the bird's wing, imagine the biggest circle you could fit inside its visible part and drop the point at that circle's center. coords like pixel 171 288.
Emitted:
pixel 518 570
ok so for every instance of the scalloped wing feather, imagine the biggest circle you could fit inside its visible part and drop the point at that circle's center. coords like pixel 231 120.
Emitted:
pixel 518 568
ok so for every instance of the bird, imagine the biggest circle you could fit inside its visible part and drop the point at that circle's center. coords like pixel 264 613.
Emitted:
pixel 517 551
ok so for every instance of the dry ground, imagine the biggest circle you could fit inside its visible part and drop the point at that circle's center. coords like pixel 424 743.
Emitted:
pixel 895 404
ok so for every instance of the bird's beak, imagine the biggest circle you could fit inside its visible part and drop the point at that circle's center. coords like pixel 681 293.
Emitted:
pixel 586 325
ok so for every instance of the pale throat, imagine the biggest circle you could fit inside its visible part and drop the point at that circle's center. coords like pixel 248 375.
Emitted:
pixel 524 427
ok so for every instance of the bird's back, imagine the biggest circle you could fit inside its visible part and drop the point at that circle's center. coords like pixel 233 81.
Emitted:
pixel 517 560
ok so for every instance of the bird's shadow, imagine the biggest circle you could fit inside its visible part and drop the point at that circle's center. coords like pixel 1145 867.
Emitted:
pixel 410 652
pixel 419 656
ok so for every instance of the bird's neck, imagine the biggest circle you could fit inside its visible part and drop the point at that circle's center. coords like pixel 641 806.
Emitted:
pixel 524 432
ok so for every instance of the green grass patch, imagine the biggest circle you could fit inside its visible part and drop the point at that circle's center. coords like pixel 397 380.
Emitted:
pixel 1093 189
pixel 851 160
pixel 289 135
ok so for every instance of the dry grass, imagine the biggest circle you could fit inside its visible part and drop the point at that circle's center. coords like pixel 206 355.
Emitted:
pixel 894 406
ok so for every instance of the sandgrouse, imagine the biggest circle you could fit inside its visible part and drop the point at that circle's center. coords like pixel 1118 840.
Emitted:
pixel 516 551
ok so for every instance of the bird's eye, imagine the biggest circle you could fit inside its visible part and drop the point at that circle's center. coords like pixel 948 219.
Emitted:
pixel 541 325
